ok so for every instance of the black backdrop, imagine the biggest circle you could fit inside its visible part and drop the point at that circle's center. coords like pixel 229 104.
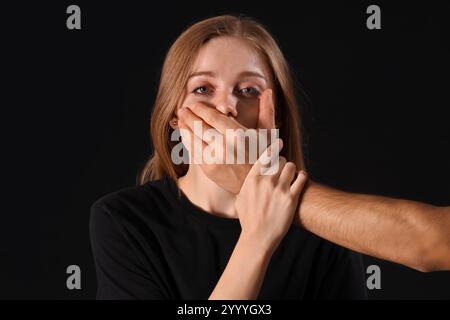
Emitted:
pixel 76 110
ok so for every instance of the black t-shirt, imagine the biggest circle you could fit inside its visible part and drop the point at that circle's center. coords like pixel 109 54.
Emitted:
pixel 151 242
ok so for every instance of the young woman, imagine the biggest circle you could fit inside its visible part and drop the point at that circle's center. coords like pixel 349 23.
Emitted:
pixel 182 235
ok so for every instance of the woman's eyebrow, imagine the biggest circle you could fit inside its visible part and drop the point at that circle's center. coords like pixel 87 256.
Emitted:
pixel 243 74
pixel 248 74
pixel 202 73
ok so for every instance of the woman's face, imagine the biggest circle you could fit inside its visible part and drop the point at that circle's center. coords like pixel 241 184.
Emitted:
pixel 229 75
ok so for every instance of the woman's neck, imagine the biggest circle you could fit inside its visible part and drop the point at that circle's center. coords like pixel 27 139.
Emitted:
pixel 206 194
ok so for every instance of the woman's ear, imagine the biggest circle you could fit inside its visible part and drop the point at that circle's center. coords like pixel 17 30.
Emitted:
pixel 173 123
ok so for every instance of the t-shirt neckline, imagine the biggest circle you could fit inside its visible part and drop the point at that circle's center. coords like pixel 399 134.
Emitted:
pixel 197 211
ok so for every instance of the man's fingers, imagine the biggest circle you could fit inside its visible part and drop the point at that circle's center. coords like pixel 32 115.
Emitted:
pixel 189 119
pixel 214 118
pixel 299 183
pixel 266 117
pixel 193 144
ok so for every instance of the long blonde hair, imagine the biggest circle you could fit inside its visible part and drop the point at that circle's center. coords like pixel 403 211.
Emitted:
pixel 174 76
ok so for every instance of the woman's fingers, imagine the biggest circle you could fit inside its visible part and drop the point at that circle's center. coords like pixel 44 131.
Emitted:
pixel 278 168
pixel 299 183
pixel 287 175
pixel 266 159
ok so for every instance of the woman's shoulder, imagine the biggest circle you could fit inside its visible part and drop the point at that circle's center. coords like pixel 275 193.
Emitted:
pixel 147 200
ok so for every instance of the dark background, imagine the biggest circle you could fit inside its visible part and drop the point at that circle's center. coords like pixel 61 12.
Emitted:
pixel 76 108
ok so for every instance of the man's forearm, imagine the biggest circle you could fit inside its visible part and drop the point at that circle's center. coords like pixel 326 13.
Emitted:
pixel 406 232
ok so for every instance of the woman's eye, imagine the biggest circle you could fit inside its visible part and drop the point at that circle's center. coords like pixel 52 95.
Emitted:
pixel 250 91
pixel 201 90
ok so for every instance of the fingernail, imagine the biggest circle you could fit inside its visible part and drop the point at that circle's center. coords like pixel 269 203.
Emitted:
pixel 302 172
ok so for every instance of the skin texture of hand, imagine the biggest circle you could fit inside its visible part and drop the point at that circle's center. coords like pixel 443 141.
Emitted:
pixel 266 205
pixel 407 232
pixel 267 202
pixel 228 176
